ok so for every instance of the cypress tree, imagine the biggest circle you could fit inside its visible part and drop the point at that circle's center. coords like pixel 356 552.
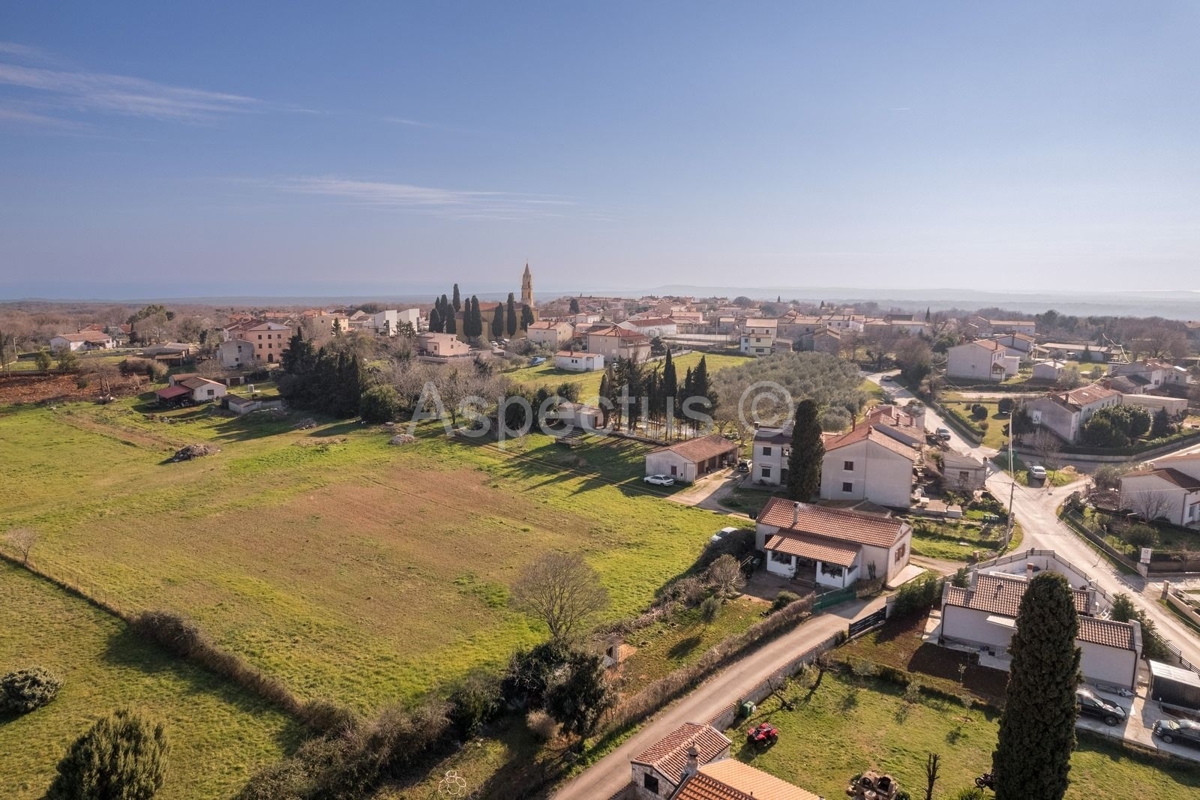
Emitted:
pixel 457 299
pixel 1037 728
pixel 510 316
pixel 604 391
pixel 498 322
pixel 450 319
pixel 476 329
pixel 526 317
pixel 435 321
pixel 804 464
pixel 670 389
pixel 574 306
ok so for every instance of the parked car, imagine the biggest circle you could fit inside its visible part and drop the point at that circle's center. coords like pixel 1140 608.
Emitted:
pixel 943 434
pixel 1183 731
pixel 537 361
pixel 660 480
pixel 721 534
pixel 743 466
pixel 889 378
pixel 1092 706
pixel 763 735
pixel 1037 471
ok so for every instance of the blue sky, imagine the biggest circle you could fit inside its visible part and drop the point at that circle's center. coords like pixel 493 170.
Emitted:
pixel 316 148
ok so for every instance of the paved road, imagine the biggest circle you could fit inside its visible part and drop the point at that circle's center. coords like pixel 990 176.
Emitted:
pixel 609 774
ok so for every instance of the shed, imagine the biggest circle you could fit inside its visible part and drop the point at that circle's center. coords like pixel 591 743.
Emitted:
pixel 1174 686
pixel 693 458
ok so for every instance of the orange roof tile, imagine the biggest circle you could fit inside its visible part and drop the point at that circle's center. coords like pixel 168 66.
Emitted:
pixel 814 547
pixel 669 755
pixel 832 523
pixel 732 780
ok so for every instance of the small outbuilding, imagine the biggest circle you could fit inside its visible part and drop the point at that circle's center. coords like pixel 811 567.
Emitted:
pixel 686 461
pixel 1174 686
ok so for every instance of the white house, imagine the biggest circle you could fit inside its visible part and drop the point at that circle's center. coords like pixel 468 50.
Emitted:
pixel 84 340
pixel 830 546
pixel 652 326
pixel 1064 413
pixel 980 360
pixel 1017 344
pixel 441 346
pixel 1025 326
pixel 236 354
pixel 690 459
pixel 769 454
pixel 578 361
pixel 758 336
pixel 182 389
pixel 550 333
pixel 1150 374
pixel 1048 370
pixel 658 770
pixel 1167 488
pixel 868 464
pixel 982 618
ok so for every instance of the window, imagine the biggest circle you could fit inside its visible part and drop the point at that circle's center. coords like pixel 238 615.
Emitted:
pixel 900 551
pixel 833 570
pixel 766 472
pixel 766 451
pixel 848 466
pixel 650 783
pixel 847 486
pixel 260 337
pixel 781 558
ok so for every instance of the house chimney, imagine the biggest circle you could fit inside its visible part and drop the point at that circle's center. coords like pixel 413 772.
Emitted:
pixel 1028 570
pixel 795 513
pixel 693 763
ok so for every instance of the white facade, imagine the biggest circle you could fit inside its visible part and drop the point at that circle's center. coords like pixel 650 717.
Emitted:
pixel 236 354
pixel 872 467
pixel 981 360
pixel 550 334
pixel 1064 413
pixel 652 327
pixel 1048 370
pixel 88 340
pixel 1168 488
pixel 758 336
pixel 580 361
pixel 769 455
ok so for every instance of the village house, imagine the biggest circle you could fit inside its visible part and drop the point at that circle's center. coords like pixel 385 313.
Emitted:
pixel 236 354
pixel 823 340
pixel 652 327
pixel 84 340
pixel 793 325
pixel 770 452
pixel 324 324
pixel 692 458
pixel 1048 370
pixel 1166 488
pixel 1149 375
pixel 660 769
pixel 552 334
pixel 730 779
pixel 578 361
pixel 830 546
pixel 1064 413
pixel 613 342
pixel 963 473
pixel 1024 326
pixel 441 347
pixel 981 618
pixel 1017 344
pixel 758 336
pixel 270 340
pixel 868 463
pixel 1079 351
pixel 980 360
pixel 190 388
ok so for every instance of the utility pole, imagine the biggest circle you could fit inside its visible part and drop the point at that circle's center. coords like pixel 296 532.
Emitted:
pixel 1012 476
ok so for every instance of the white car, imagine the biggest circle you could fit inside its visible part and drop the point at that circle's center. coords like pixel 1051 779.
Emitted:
pixel 660 480
pixel 1038 472
pixel 721 534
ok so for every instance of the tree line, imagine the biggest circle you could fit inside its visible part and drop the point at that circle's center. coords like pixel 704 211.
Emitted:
pixel 506 321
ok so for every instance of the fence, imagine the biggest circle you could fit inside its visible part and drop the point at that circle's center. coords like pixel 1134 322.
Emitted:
pixel 1078 524
pixel 729 715
pixel 1162 562
pixel 834 598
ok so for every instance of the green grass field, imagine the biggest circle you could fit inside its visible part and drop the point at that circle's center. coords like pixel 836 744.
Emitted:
pixel 349 568
pixel 954 542
pixel 549 376
pixel 850 725
pixel 219 734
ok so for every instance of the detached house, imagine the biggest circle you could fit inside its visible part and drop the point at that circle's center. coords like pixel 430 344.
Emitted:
pixel 830 546
pixel 270 340
pixel 758 336
pixel 613 342
pixel 1166 488
pixel 868 463
pixel 690 459
pixel 84 340
pixel 549 333
pixel 1150 374
pixel 236 353
pixel 1064 413
pixel 981 360
pixel 578 361
pixel 658 770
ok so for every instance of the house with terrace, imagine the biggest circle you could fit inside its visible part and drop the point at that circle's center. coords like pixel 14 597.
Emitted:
pixel 830 547
pixel 1064 413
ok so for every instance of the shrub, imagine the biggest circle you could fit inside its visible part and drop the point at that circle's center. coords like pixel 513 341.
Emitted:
pixel 28 690
pixel 379 404
pixel 530 672
pixel 783 599
pixel 322 717
pixel 152 369
pixel 710 609
pixel 1141 535
pixel 917 596
pixel 979 411
pixel 541 725
pixel 960 578
pixel 725 576
pixel 474 702
pixel 1006 405
pixel 1107 476
pixel 123 757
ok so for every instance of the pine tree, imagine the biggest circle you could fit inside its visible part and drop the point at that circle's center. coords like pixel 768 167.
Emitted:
pixel 122 757
pixel 1161 425
pixel 1037 728
pixel 510 316
pixel 804 464
pixel 526 317
pixel 456 300
pixel 574 306
pixel 498 322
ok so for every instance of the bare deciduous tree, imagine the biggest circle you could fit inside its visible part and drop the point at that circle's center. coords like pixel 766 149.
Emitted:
pixel 778 686
pixel 1048 448
pixel 725 575
pixel 561 590
pixel 1150 505
pixel 24 540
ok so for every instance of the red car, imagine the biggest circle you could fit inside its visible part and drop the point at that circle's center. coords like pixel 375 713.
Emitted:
pixel 763 735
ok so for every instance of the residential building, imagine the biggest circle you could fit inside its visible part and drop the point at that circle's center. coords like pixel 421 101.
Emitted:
pixel 652 327
pixel 758 336
pixel 793 325
pixel 1151 374
pixel 1077 351
pixel 823 340
pixel 692 458
pixel 236 354
pixel 982 618
pixel 769 455
pixel 440 346
pixel 1166 488
pixel 980 360
pixel 869 464
pixel 660 769
pixel 1018 344
pixel 270 340
pixel 552 334
pixel 963 473
pixel 1064 413
pixel 1176 407
pixel 1048 370
pixel 1025 326
pixel 830 546
pixel 578 361
pixel 730 779
pixel 84 340
pixel 613 342
pixel 324 324
pixel 188 389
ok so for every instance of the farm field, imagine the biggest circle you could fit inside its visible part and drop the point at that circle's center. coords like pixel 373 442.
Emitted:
pixel 219 734
pixel 550 377
pixel 853 724
pixel 351 569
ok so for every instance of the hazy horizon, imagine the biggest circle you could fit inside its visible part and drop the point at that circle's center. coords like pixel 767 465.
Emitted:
pixel 171 150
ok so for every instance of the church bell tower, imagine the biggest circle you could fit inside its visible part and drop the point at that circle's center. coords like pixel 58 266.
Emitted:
pixel 527 289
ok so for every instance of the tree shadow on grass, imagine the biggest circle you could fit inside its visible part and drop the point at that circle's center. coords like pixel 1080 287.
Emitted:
pixel 684 647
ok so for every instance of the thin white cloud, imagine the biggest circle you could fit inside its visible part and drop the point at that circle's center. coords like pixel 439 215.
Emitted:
pixel 451 203
pixel 19 116
pixel 410 122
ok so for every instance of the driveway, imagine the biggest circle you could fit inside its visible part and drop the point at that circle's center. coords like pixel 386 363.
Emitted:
pixel 608 775
pixel 708 492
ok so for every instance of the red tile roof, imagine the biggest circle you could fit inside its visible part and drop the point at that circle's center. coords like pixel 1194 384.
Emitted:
pixel 701 449
pixel 1170 475
pixel 868 433
pixel 1001 594
pixel 730 779
pixel 817 548
pixel 669 755
pixel 1085 395
pixel 832 523
pixel 1106 632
